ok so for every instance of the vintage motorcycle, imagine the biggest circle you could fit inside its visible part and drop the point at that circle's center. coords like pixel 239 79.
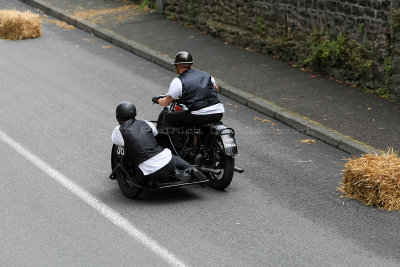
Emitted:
pixel 211 147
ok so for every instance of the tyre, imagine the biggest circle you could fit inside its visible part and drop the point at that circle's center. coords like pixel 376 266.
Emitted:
pixel 160 119
pixel 125 183
pixel 224 163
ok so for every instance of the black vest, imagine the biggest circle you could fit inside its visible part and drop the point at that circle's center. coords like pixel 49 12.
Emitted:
pixel 197 90
pixel 139 140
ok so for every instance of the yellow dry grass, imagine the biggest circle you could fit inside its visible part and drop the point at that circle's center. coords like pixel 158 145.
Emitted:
pixel 308 141
pixel 61 24
pixel 374 180
pixel 114 14
pixel 17 25
pixel 87 14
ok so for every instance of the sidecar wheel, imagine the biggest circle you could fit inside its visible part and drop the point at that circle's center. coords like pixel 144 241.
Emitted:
pixel 126 185
pixel 130 191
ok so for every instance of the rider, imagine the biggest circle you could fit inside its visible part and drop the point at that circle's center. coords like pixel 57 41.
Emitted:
pixel 196 90
pixel 138 138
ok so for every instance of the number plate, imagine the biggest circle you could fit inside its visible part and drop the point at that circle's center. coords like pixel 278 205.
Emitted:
pixel 120 151
pixel 229 144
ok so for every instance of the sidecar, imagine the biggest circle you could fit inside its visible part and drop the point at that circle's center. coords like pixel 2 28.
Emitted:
pixel 125 172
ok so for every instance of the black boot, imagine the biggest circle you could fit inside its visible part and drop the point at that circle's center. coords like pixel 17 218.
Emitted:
pixel 198 174
pixel 183 176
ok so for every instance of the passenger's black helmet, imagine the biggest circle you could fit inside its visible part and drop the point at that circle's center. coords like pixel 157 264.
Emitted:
pixel 183 58
pixel 125 111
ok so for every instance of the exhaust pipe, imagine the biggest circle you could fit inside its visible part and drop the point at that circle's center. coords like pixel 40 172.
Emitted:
pixel 239 170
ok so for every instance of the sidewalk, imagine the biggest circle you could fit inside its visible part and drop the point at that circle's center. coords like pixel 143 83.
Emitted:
pixel 350 119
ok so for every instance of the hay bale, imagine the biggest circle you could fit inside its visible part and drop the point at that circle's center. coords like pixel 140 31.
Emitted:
pixel 374 180
pixel 16 25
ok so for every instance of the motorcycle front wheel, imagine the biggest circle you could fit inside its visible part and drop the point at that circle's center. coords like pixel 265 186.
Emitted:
pixel 125 183
pixel 224 163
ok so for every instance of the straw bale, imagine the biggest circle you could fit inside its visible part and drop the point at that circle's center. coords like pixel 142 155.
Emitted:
pixel 374 180
pixel 16 25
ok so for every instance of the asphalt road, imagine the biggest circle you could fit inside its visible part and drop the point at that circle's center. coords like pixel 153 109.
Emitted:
pixel 58 95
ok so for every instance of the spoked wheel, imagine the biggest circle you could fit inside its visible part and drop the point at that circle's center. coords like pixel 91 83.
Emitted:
pixel 224 163
pixel 125 183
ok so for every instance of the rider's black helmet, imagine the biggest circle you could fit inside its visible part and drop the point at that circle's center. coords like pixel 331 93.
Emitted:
pixel 183 58
pixel 125 111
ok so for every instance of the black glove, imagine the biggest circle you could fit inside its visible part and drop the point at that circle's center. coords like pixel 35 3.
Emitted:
pixel 155 98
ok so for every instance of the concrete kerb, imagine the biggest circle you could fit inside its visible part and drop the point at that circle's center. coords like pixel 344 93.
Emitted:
pixel 162 60
pixel 85 26
pixel 65 17
pixel 293 120
pixel 71 21
pixel 298 122
pixel 122 42
pixel 37 4
pixel 103 34
pixel 322 133
pixel 264 106
pixel 355 147
pixel 141 50
pixel 234 93
pixel 256 103
pixel 53 11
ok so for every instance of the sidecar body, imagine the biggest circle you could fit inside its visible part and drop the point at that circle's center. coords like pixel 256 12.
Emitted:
pixel 124 170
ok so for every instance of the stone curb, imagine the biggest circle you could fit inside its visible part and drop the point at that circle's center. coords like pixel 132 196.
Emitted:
pixel 302 124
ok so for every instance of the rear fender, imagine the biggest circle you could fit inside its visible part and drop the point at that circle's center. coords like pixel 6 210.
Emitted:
pixel 228 138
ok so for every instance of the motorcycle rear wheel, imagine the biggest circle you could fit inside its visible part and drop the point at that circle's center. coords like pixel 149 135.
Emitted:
pixel 126 185
pixel 223 162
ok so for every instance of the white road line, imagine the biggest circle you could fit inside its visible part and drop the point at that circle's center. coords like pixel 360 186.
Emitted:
pixel 95 203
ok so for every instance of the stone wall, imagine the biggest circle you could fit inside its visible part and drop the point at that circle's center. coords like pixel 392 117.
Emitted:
pixel 296 30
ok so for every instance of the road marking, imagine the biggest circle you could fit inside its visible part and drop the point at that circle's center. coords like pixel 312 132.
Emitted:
pixel 94 202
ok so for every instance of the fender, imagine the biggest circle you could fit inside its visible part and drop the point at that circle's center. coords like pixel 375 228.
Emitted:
pixel 228 138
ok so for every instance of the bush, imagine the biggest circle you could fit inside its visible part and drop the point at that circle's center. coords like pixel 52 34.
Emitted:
pixel 339 52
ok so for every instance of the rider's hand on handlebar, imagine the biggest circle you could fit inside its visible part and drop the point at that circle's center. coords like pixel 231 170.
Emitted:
pixel 155 98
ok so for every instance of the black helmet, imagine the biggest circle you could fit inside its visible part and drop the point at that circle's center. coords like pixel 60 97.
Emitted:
pixel 125 111
pixel 183 58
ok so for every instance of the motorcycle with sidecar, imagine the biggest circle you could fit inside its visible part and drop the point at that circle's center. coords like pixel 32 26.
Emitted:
pixel 211 147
